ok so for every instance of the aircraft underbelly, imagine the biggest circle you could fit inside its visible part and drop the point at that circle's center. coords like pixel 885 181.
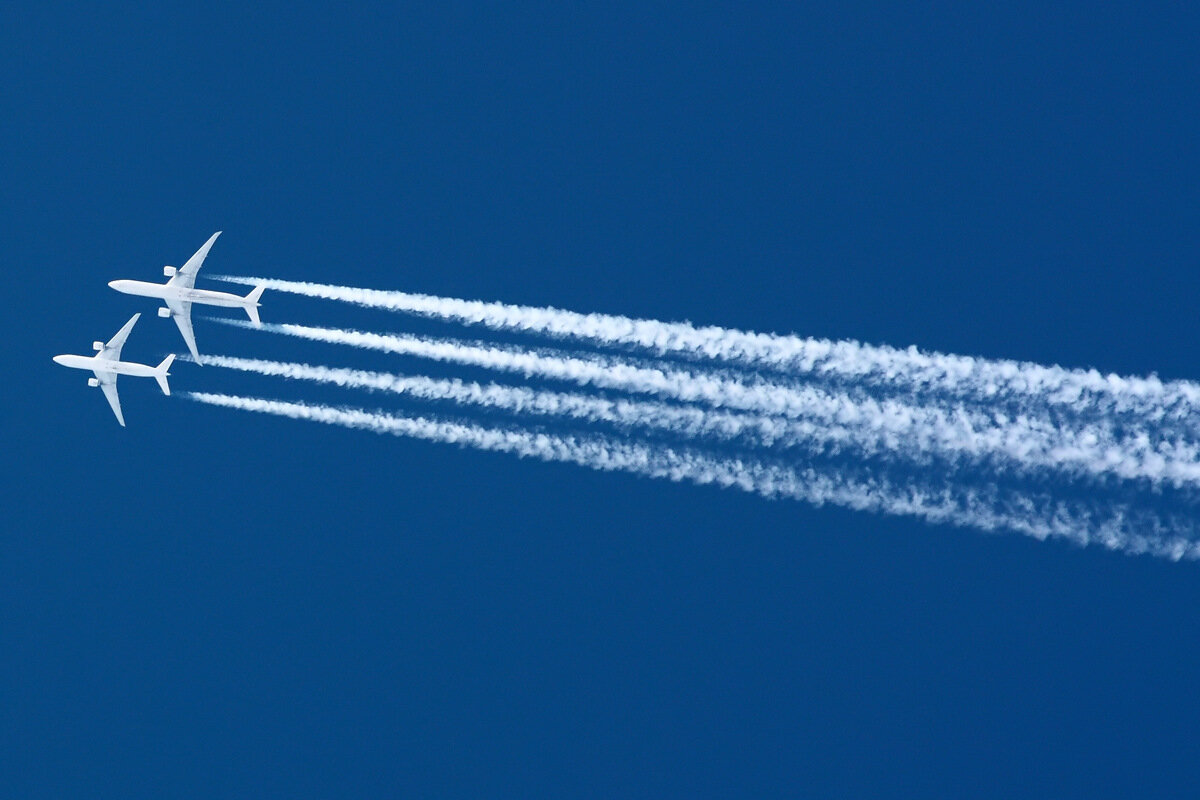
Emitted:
pixel 213 298
pixel 136 370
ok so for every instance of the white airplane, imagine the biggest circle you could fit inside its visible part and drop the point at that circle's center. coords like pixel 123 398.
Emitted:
pixel 180 293
pixel 107 365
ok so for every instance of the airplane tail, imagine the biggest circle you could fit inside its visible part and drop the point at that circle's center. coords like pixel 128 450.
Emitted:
pixel 252 303
pixel 160 373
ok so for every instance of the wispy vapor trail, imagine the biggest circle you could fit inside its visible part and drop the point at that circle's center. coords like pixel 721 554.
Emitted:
pixel 1024 383
pixel 683 420
pixel 913 432
pixel 1118 528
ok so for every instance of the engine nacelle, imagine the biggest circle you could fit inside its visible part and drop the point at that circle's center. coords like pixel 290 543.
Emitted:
pixel 93 382
pixel 97 346
pixel 169 272
pixel 164 312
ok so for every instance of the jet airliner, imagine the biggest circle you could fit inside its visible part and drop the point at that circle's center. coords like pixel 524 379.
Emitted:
pixel 107 365
pixel 179 293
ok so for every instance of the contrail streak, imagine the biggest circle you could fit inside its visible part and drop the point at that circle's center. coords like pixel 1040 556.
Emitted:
pixel 1076 390
pixel 875 426
pixel 1118 530
pixel 687 421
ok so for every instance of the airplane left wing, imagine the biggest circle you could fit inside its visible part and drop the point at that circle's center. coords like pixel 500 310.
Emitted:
pixel 112 350
pixel 181 312
pixel 108 384
pixel 186 275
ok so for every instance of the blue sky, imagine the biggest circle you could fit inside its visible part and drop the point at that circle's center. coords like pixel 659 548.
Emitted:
pixel 209 603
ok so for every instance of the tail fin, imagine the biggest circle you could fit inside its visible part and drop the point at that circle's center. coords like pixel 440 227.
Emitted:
pixel 160 373
pixel 252 303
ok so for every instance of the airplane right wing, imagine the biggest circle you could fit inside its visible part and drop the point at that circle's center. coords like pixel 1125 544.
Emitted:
pixel 181 312
pixel 186 275
pixel 112 350
pixel 108 384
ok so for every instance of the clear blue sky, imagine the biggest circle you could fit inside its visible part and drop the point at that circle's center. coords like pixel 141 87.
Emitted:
pixel 212 604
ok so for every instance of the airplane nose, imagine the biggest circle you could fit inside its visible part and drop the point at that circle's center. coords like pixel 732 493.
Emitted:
pixel 59 359
pixel 112 284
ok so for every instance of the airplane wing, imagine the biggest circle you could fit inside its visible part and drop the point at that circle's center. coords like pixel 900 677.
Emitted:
pixel 186 275
pixel 108 384
pixel 181 312
pixel 112 350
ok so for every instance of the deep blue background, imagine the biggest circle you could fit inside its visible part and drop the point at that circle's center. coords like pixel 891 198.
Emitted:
pixel 214 604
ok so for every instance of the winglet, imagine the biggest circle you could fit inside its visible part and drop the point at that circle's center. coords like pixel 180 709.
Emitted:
pixel 160 374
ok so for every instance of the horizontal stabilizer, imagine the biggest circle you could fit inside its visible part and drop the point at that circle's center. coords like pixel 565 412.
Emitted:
pixel 252 303
pixel 160 374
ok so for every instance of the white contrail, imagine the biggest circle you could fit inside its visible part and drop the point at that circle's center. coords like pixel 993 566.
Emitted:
pixel 876 426
pixel 967 508
pixel 824 435
pixel 1081 391
pixel 682 420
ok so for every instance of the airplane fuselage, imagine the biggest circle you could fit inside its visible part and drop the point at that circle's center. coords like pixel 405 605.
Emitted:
pixel 97 364
pixel 164 292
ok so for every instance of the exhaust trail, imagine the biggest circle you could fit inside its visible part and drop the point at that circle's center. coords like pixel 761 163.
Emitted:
pixel 876 427
pixel 1118 528
pixel 1024 383
pixel 824 436
pixel 682 420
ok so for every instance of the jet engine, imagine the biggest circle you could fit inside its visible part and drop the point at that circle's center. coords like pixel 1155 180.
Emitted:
pixel 169 272
pixel 93 382
pixel 164 312
pixel 97 346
